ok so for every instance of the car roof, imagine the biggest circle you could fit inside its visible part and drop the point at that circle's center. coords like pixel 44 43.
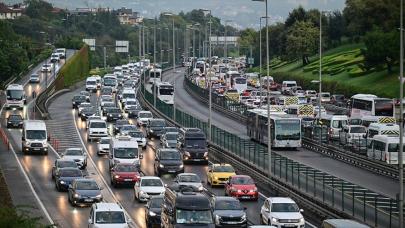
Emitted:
pixel 150 177
pixel 281 200
pixel 107 207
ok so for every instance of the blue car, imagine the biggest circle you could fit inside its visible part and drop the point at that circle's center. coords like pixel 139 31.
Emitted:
pixel 84 192
pixel 65 176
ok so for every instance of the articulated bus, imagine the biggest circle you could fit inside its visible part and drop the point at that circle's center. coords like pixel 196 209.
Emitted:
pixel 370 105
pixel 285 130
pixel 15 96
pixel 155 75
pixel 165 92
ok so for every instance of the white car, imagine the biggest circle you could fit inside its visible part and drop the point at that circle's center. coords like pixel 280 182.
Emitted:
pixel 281 212
pixel 97 129
pixel 54 58
pixel 139 137
pixel 91 118
pixel 108 215
pixel 103 146
pixel 189 179
pixel 144 117
pixel 105 98
pixel 34 78
pixel 148 186
pixel 46 68
pixel 77 155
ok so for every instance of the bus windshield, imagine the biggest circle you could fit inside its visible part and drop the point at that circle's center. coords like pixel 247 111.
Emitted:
pixel 383 108
pixel 288 129
pixel 166 90
pixel 240 81
pixel 15 94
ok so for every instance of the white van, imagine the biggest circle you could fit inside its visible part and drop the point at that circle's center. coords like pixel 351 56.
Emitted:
pixel 98 80
pixel 335 123
pixel 384 148
pixel 124 149
pixel 288 86
pixel 91 84
pixel 382 129
pixel 34 137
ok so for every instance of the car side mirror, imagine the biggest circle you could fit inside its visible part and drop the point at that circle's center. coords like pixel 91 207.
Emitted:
pixel 90 221
pixel 302 210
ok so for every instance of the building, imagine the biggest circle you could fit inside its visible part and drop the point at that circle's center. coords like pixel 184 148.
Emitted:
pixel 128 17
pixel 10 12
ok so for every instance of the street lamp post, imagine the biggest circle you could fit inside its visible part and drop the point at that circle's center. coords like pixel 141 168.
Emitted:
pixel 154 63
pixel 401 122
pixel 268 87
pixel 260 60
pixel 174 40
pixel 209 80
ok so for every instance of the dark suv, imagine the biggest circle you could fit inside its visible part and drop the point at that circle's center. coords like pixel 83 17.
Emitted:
pixel 168 161
pixel 155 127
pixel 193 145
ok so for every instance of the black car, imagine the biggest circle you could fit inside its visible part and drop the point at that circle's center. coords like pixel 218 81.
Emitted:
pixel 155 127
pixel 152 211
pixel 77 100
pixel 86 112
pixel 62 163
pixel 14 121
pixel 106 106
pixel 84 191
pixel 113 114
pixel 228 212
pixel 119 124
pixel 168 160
pixel 133 111
pixel 65 176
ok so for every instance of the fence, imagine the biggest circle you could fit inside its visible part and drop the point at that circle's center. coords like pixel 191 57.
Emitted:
pixel 342 197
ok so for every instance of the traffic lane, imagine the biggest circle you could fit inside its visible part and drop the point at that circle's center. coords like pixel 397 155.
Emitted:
pixel 38 169
pixel 192 106
pixel 312 159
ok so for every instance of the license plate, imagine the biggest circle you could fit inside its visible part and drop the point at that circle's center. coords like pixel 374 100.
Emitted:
pixel 171 171
pixel 127 179
pixel 88 200
pixel 36 148
pixel 245 197
pixel 289 225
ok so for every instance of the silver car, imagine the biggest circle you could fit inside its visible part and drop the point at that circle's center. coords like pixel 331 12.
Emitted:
pixel 77 155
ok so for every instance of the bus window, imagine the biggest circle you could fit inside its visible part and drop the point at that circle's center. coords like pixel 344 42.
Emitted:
pixel 383 108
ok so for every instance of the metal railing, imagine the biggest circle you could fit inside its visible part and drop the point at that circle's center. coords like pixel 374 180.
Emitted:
pixel 324 193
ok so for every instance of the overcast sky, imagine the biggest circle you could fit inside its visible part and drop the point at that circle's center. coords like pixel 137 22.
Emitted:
pixel 244 13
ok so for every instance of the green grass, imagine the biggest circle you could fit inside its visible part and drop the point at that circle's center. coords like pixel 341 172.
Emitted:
pixel 342 72
pixel 75 70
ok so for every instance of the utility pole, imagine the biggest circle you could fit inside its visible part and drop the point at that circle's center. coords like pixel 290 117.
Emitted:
pixel 401 122
pixel 154 63
pixel 104 57
pixel 174 48
pixel 140 41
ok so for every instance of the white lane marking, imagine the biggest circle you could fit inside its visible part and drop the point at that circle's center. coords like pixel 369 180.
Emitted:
pixel 32 187
pixel 98 171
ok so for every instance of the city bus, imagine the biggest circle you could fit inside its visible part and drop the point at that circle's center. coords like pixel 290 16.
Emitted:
pixel 155 75
pixel 15 96
pixel 285 130
pixel 370 105
pixel 165 92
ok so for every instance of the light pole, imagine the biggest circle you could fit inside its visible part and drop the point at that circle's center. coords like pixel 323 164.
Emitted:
pixel 268 87
pixel 401 122
pixel 154 64
pixel 174 40
pixel 260 60
pixel 225 40
pixel 209 79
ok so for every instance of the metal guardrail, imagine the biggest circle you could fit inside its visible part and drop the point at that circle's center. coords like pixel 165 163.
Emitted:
pixel 323 193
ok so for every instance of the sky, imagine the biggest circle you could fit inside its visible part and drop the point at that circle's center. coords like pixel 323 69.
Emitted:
pixel 243 13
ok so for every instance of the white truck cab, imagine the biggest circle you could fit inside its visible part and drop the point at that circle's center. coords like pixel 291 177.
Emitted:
pixel 91 84
pixel 124 149
pixel 34 137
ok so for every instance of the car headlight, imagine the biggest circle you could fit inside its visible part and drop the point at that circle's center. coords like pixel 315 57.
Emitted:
pixel 116 176
pixel 27 143
pixel 110 115
pixel 302 220
pixel 187 154
pixel 76 195
pixel 181 166
pixel 253 190
pixel 61 182
pixel 151 131
pixel 200 188
pixel 151 213
pixel 206 154
pixel 217 218
pixel 142 193
pixel 98 196
pixel 274 219
pixel 161 166
pixel 119 115
pixel 244 217
pixel 215 178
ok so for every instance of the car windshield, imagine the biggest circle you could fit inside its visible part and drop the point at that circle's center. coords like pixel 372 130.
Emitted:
pixel 231 204
pixel 67 164
pixel 131 103
pixel 87 185
pixel 170 155
pixel 171 136
pixel 70 173
pixel 85 105
pixel 125 168
pixel 126 152
pixel 128 95
pixel 15 94
pixel 110 217
pixel 242 180
pixel 79 98
pixel 136 134
pixel 145 115
pixel 35 134
pixel 158 123
pixel 224 169
pixel 357 130
pixel 106 90
pixel 109 82
pixel 284 207
pixel 193 217
pixel 171 129
pixel 15 117
pixel 74 152
pixel 151 182
pixel 114 110
pixel 156 202
pixel 105 141
pixel 91 82
pixel 128 128
pixel 196 143
pixel 189 178
pixel 98 125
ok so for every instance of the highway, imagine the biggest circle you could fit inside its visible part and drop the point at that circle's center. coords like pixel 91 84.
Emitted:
pixel 366 179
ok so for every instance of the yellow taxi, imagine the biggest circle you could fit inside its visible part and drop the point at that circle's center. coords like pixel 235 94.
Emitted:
pixel 218 174
pixel 232 94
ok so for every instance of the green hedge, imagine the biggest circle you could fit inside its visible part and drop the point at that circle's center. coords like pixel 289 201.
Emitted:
pixel 75 69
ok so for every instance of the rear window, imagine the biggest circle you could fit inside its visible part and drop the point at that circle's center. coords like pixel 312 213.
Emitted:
pixel 110 217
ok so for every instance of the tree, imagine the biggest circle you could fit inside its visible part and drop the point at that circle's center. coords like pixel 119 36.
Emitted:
pixel 302 39
pixel 298 14
pixel 38 9
pixel 381 48
pixel 336 26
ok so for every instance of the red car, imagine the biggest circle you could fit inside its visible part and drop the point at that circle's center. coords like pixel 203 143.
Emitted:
pixel 241 187
pixel 124 174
